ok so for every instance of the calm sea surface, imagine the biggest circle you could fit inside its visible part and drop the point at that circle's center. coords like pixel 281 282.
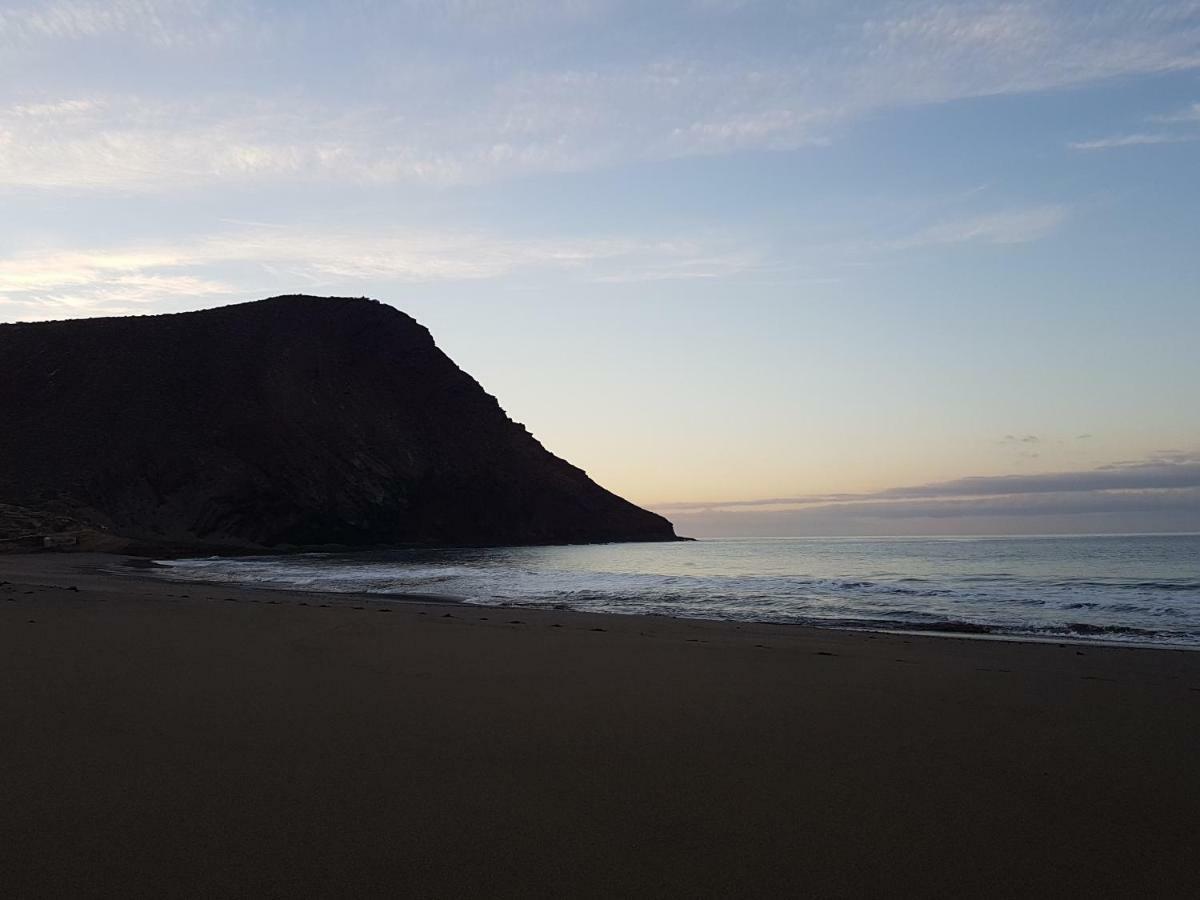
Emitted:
pixel 1143 589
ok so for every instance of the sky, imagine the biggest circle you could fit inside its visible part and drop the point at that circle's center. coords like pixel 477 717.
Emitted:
pixel 769 267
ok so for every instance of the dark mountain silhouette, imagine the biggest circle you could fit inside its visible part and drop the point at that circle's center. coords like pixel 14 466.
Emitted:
pixel 297 421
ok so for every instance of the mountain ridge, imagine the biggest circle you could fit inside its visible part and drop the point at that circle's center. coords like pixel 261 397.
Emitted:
pixel 291 422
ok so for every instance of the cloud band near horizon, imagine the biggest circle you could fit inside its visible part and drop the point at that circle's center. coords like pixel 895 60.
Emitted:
pixel 1161 494
pixel 1167 472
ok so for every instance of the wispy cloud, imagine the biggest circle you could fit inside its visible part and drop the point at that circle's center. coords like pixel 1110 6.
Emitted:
pixel 249 259
pixel 660 86
pixel 1173 135
pixel 1188 115
pixel 1133 140
pixel 124 143
pixel 997 228
pixel 1015 47
pixel 166 24
pixel 1017 226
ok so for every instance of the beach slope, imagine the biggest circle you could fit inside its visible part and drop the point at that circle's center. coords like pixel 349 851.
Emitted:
pixel 187 740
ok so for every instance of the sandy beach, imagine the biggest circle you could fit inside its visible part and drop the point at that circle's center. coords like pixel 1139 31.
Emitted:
pixel 165 739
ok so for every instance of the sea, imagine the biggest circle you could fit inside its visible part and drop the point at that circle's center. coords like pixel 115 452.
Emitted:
pixel 1141 589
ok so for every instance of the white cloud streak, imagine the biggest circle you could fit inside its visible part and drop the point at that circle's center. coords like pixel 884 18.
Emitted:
pixel 677 91
pixel 162 24
pixel 250 258
pixel 116 281
pixel 1133 140
pixel 1187 116
pixel 1174 134
pixel 997 228
pixel 1018 226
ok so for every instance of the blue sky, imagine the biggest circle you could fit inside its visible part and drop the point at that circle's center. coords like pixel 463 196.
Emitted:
pixel 713 251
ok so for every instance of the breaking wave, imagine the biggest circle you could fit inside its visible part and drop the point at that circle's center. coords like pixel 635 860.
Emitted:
pixel 1127 589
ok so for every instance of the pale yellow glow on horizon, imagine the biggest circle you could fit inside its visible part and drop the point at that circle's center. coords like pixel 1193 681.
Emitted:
pixel 664 472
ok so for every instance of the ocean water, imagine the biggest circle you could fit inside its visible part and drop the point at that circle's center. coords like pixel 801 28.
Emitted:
pixel 1132 589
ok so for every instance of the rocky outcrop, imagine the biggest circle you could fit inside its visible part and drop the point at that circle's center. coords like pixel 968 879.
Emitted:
pixel 295 421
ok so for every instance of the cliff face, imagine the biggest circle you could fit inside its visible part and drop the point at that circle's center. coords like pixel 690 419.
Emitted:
pixel 296 421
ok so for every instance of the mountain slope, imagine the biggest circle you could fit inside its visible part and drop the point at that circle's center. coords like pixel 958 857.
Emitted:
pixel 292 421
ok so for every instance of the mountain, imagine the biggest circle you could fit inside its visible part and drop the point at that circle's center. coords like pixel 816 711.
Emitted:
pixel 290 422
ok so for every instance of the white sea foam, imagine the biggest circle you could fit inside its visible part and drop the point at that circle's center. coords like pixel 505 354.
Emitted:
pixel 1143 589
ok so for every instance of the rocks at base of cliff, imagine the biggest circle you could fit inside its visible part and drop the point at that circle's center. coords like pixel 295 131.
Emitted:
pixel 23 530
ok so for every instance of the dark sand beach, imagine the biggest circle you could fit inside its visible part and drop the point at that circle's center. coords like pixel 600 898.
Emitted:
pixel 166 739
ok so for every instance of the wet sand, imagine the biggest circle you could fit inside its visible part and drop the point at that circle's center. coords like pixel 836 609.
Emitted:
pixel 194 740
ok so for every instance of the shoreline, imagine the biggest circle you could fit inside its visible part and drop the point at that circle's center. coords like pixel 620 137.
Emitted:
pixel 199 740
pixel 953 629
